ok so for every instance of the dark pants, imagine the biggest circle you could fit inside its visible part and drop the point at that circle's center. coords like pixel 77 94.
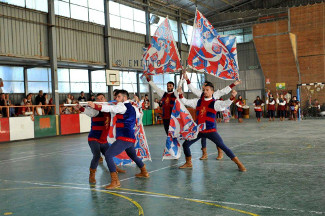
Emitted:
pixel 271 113
pixel 240 114
pixel 166 125
pixel 258 114
pixel 117 148
pixel 282 113
pixel 96 149
pixel 219 115
pixel 214 137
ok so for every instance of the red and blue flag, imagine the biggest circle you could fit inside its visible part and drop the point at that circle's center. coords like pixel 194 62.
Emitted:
pixel 212 53
pixel 162 54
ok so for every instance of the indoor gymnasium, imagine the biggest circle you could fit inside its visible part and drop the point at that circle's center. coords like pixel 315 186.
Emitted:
pixel 162 107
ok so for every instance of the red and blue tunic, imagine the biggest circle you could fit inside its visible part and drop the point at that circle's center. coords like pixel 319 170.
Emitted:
pixel 168 101
pixel 125 124
pixel 100 126
pixel 205 113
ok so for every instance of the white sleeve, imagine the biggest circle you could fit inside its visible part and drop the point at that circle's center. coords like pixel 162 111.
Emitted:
pixel 137 112
pixel 267 101
pixel 277 101
pixel 191 103
pixel 159 91
pixel 91 112
pixel 237 104
pixel 118 108
pixel 254 104
pixel 219 93
pixel 222 105
pixel 195 91
pixel 273 102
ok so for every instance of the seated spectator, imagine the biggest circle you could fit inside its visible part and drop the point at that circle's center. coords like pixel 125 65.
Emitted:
pixel 156 104
pixel 1 85
pixel 39 97
pixel 92 98
pixel 39 110
pixel 29 98
pixel 47 109
pixel 72 99
pixel 27 110
pixel 68 100
pixel 82 97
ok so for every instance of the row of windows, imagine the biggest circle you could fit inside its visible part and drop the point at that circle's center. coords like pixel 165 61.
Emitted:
pixel 76 80
pixel 121 17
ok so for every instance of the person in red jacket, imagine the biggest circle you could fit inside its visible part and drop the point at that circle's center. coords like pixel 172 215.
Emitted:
pixel 271 107
pixel 240 104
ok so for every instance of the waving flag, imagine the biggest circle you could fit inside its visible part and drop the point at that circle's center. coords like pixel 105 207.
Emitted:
pixel 211 52
pixel 181 127
pixel 162 54
pixel 141 145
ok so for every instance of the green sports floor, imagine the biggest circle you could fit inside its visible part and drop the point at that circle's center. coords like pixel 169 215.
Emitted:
pixel 285 163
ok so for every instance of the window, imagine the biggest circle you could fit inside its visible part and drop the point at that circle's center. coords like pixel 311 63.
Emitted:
pixel 39 79
pixel 40 5
pixel 13 79
pixel 79 80
pixel 128 81
pixel 73 81
pixel 197 80
pixel 188 33
pixel 162 80
pixel 127 18
pixel 242 35
pixel 86 10
pixel 98 81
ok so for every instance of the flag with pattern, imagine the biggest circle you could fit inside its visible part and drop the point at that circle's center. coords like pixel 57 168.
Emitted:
pixel 212 53
pixel 181 127
pixel 162 54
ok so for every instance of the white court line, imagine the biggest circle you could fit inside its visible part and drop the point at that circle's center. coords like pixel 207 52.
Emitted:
pixel 162 196
pixel 39 155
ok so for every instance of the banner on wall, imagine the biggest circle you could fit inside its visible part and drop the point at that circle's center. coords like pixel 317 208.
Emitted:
pixel 280 86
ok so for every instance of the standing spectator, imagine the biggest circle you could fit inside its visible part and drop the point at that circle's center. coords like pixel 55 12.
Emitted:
pixel 3 103
pixel 146 102
pixel 258 104
pixel 11 109
pixel 39 97
pixel 39 110
pixel 82 97
pixel 68 100
pixel 1 85
pixel 294 106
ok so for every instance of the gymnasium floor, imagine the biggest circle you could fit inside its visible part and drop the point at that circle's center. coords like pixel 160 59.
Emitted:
pixel 285 162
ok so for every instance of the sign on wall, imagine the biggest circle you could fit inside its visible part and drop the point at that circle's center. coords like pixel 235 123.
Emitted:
pixel 280 86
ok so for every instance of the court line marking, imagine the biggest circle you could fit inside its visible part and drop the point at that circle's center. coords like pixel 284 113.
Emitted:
pixel 160 195
pixel 35 155
pixel 144 193
pixel 140 209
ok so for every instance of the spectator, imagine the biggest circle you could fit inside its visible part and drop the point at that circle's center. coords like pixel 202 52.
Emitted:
pixel 29 98
pixel 1 85
pixel 11 109
pixel 27 109
pixel 92 98
pixel 156 104
pixel 39 98
pixel 3 111
pixel 68 100
pixel 23 102
pixel 47 101
pixel 72 99
pixel 146 103
pixel 82 97
pixel 39 110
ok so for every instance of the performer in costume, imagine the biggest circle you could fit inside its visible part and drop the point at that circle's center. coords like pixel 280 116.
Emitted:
pixel 271 106
pixel 294 106
pixel 125 137
pixel 167 98
pixel 207 108
pixel 217 94
pixel 258 104
pixel 97 138
pixel 281 106
pixel 240 104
